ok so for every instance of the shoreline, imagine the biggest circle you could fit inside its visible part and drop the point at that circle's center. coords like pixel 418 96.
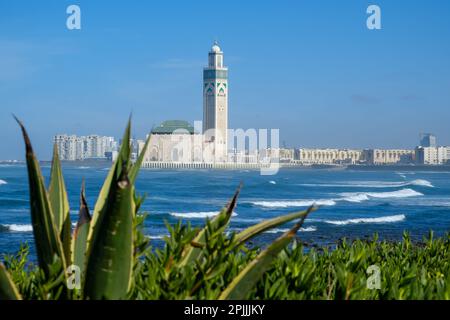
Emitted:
pixel 250 166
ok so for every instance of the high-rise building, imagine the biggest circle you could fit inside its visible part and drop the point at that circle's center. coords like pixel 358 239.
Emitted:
pixel 433 155
pixel 215 103
pixel 428 140
pixel 72 147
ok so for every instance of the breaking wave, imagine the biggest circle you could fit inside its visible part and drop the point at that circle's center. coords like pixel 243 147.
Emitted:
pixel 373 184
pixel 356 197
pixel 272 182
pixel 197 215
pixel 279 230
pixel 364 196
pixel 16 228
pixel 386 219
pixel 420 182
pixel 159 237
pixel 3 182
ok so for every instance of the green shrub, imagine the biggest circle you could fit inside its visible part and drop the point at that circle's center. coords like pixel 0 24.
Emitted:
pixel 108 257
pixel 116 261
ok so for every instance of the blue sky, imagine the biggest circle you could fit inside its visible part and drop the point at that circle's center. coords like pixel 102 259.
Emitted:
pixel 310 68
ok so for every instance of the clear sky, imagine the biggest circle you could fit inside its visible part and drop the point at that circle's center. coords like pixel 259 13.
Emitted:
pixel 310 68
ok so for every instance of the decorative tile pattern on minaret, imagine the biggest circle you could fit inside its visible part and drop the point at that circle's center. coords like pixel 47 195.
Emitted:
pixel 215 103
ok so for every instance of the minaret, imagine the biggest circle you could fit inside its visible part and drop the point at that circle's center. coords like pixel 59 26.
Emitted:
pixel 215 103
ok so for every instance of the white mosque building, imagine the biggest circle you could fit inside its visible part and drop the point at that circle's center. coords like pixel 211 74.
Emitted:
pixel 179 142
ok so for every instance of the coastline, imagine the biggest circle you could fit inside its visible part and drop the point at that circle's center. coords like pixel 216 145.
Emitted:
pixel 251 166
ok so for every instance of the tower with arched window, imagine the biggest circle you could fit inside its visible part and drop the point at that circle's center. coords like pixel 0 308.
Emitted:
pixel 215 103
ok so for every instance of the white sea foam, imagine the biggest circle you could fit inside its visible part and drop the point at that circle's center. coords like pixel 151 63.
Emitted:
pixel 83 167
pixel 364 196
pixel 349 197
pixel 272 182
pixel 358 197
pixel 386 219
pixel 156 237
pixel 308 229
pixel 405 173
pixel 282 230
pixel 294 203
pixel 18 227
pixel 420 182
pixel 197 215
pixel 373 184
pixel 3 182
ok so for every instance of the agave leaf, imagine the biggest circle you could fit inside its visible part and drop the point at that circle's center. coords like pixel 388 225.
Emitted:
pixel 253 231
pixel 123 159
pixel 108 210
pixel 8 290
pixel 137 165
pixel 114 173
pixel 193 251
pixel 239 288
pixel 60 204
pixel 46 235
pixel 110 264
pixel 80 234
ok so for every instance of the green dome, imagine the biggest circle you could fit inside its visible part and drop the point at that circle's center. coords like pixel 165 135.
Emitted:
pixel 169 126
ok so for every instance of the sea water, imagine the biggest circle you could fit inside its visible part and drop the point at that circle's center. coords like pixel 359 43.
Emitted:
pixel 353 204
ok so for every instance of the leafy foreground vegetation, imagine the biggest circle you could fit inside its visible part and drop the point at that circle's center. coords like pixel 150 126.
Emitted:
pixel 108 256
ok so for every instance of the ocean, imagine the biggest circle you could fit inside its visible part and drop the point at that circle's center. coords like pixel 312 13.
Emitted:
pixel 354 204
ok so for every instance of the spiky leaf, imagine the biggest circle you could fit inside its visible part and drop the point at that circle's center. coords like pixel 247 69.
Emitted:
pixel 123 161
pixel 239 288
pixel 60 204
pixel 107 203
pixel 8 290
pixel 255 230
pixel 194 251
pixel 81 233
pixel 46 236
pixel 109 266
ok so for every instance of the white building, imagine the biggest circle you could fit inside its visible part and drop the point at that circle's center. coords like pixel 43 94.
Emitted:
pixel 388 156
pixel 215 103
pixel 243 156
pixel 72 147
pixel 69 146
pixel 329 156
pixel 174 141
pixel 177 141
pixel 284 155
pixel 433 155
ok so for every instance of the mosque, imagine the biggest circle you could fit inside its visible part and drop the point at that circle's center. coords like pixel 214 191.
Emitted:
pixel 179 141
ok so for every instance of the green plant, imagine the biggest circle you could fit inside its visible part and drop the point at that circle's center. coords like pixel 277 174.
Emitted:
pixel 210 263
pixel 104 252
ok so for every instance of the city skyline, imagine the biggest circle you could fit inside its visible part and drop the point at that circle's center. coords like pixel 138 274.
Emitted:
pixel 179 144
pixel 321 88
